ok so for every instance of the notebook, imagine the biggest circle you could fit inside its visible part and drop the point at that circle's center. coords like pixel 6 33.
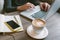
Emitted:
pixel 10 23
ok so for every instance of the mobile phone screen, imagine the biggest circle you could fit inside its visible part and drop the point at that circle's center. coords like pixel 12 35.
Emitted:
pixel 13 24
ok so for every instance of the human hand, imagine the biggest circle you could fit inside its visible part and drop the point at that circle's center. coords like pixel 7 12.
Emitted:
pixel 44 6
pixel 25 6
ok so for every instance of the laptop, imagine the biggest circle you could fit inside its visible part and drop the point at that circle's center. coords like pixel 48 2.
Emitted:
pixel 38 13
pixel 34 13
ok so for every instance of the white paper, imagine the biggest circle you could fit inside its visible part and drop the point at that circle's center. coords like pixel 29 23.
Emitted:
pixel 3 18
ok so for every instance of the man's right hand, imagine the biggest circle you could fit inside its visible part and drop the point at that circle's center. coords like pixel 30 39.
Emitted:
pixel 25 6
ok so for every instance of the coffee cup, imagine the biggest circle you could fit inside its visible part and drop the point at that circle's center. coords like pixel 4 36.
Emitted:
pixel 38 25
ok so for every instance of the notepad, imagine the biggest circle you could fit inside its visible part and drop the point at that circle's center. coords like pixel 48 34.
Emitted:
pixel 10 23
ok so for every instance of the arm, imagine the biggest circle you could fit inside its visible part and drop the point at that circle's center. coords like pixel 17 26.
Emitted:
pixel 8 6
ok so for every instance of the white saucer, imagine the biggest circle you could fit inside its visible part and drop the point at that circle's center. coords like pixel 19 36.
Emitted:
pixel 41 35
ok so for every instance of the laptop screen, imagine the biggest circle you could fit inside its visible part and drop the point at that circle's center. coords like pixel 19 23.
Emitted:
pixel 55 6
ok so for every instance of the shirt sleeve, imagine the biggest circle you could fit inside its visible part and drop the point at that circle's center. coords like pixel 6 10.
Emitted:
pixel 35 2
pixel 8 6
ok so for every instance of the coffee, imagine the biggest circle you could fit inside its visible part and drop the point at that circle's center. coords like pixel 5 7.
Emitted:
pixel 38 23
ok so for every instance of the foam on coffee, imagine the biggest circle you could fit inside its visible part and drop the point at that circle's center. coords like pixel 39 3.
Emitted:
pixel 38 23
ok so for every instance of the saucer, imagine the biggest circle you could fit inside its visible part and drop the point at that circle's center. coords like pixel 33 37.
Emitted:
pixel 41 35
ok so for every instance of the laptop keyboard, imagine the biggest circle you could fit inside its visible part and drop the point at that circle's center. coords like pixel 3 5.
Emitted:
pixel 40 14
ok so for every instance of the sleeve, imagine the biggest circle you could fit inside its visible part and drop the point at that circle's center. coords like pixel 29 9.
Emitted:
pixel 8 6
pixel 35 2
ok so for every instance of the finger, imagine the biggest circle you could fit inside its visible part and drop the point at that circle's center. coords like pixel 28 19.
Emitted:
pixel 41 6
pixel 32 5
pixel 28 6
pixel 46 6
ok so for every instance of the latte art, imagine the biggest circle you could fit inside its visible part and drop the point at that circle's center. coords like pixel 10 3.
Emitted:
pixel 38 23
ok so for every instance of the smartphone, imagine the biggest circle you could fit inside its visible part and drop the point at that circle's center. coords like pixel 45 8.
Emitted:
pixel 13 26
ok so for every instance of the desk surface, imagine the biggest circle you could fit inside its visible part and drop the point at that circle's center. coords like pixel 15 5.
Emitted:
pixel 53 26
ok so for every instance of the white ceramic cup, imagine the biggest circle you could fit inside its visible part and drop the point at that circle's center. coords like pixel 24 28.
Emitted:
pixel 38 25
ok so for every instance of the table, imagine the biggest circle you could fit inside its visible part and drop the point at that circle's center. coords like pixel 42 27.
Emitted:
pixel 53 26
